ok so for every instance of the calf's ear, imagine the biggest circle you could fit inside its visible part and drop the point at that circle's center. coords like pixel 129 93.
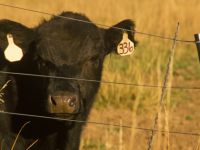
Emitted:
pixel 21 35
pixel 114 35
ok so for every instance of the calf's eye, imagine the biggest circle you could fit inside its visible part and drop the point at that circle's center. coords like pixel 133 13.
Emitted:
pixel 41 64
pixel 95 61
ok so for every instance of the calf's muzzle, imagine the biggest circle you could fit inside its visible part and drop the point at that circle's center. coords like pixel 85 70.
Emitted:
pixel 64 103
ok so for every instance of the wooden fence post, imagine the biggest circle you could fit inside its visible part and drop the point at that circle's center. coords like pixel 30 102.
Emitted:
pixel 197 41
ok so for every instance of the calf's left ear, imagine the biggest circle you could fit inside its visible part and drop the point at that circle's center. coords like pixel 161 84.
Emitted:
pixel 114 35
pixel 15 40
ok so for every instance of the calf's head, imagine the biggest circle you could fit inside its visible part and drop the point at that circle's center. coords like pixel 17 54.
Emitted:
pixel 60 48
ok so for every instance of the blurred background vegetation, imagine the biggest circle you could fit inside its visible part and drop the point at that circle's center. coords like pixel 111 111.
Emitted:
pixel 131 105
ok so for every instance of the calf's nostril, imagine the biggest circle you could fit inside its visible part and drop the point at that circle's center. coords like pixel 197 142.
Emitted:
pixel 53 101
pixel 71 101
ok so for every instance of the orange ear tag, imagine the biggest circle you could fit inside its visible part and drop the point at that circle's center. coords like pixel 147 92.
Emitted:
pixel 126 46
pixel 12 52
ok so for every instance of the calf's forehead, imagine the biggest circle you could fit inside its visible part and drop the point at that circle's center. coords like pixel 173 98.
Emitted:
pixel 67 43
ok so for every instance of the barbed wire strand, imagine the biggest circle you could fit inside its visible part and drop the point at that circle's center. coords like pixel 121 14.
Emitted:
pixel 164 89
pixel 100 123
pixel 98 81
pixel 99 24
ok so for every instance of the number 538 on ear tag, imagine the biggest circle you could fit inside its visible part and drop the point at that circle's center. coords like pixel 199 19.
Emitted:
pixel 126 46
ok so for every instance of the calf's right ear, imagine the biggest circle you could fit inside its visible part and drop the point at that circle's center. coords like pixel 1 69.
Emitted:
pixel 114 35
pixel 15 40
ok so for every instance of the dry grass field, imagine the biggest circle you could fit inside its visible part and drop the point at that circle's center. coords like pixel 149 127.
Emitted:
pixel 131 105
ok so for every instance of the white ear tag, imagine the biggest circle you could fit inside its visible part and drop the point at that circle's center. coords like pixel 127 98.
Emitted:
pixel 12 52
pixel 126 46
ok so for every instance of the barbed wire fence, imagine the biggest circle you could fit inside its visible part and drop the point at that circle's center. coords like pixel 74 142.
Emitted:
pixel 164 86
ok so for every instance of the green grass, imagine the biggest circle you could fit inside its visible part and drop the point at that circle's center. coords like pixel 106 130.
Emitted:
pixel 93 145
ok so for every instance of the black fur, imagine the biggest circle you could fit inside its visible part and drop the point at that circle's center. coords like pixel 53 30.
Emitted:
pixel 58 47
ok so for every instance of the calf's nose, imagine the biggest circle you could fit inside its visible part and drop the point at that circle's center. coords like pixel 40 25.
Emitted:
pixel 69 104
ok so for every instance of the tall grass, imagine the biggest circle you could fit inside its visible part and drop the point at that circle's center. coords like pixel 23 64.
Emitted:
pixel 146 66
